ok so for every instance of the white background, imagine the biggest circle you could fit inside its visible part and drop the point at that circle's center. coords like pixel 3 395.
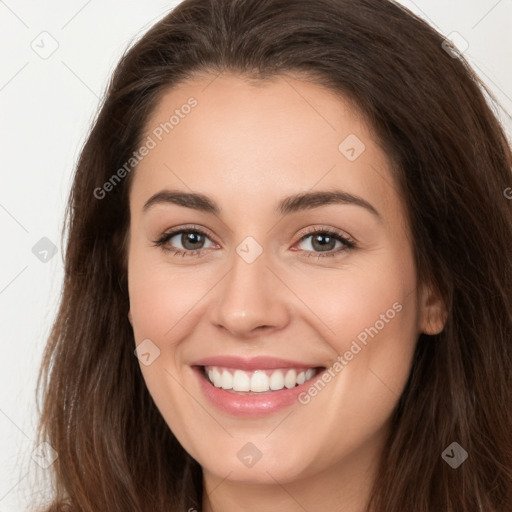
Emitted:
pixel 46 106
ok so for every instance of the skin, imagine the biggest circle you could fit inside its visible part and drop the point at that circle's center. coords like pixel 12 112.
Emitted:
pixel 247 146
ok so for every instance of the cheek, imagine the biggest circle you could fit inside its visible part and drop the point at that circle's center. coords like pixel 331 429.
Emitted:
pixel 159 302
pixel 371 312
pixel 376 293
pixel 159 295
pixel 377 336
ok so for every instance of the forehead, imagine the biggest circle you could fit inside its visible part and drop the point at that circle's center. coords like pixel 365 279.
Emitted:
pixel 222 134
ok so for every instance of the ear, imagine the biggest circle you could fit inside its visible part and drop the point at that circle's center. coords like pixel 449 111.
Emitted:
pixel 432 311
pixel 130 317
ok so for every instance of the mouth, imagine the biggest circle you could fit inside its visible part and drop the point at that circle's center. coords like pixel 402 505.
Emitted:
pixel 258 381
pixel 253 387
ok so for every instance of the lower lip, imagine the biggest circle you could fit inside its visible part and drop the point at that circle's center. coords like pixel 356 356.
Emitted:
pixel 250 405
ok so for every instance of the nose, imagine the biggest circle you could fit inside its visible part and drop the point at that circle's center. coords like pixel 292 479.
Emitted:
pixel 250 299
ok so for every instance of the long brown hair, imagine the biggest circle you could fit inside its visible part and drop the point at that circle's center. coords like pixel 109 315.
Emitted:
pixel 452 161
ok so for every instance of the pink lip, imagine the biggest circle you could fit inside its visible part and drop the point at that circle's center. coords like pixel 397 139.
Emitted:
pixel 250 405
pixel 248 364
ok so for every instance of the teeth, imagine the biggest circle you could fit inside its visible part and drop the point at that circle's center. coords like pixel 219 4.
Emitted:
pixel 226 380
pixel 215 377
pixel 290 379
pixel 276 381
pixel 241 381
pixel 258 381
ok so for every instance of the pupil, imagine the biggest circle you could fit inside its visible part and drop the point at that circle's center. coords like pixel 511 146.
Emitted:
pixel 322 246
pixel 191 238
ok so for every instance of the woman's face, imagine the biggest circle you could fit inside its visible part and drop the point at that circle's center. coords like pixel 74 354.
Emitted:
pixel 260 296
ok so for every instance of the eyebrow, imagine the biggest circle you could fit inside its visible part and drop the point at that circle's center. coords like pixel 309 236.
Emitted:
pixel 288 205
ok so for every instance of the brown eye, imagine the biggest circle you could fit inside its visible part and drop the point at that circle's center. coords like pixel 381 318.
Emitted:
pixel 323 241
pixel 191 240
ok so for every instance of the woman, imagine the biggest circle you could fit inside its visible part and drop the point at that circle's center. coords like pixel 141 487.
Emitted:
pixel 202 359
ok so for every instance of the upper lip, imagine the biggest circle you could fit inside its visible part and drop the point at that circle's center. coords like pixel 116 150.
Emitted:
pixel 253 363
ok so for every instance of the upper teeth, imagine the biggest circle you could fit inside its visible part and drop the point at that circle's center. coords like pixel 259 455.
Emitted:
pixel 257 380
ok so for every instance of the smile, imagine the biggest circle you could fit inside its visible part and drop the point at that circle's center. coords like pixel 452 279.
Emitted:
pixel 258 381
pixel 253 387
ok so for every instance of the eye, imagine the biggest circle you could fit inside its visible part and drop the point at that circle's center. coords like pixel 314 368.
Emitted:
pixel 192 240
pixel 324 241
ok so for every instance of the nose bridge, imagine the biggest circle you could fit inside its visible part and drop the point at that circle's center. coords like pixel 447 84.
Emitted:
pixel 250 296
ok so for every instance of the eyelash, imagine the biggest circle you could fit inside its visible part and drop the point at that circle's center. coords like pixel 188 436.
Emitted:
pixel 347 242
